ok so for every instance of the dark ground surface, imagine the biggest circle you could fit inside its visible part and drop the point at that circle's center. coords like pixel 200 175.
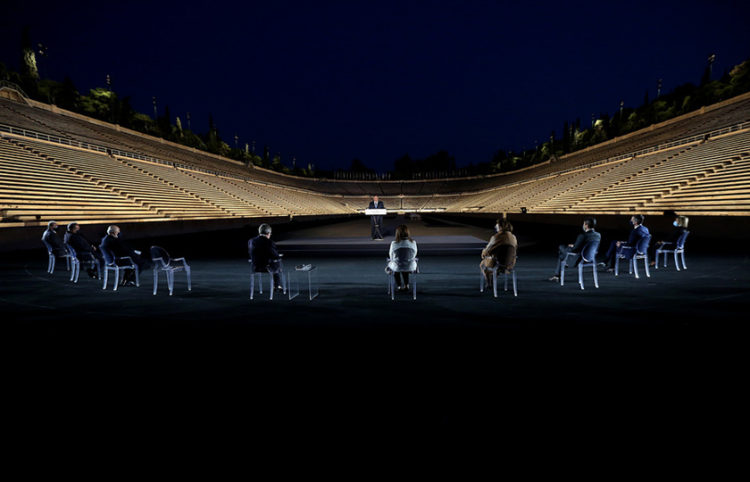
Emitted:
pixel 444 360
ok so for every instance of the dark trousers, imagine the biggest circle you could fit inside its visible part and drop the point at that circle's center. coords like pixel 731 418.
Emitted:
pixel 398 276
pixel 376 222
pixel 612 253
pixel 563 251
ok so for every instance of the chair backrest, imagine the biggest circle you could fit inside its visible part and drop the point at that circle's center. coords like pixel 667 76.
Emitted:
pixel 404 257
pixel 681 240
pixel 48 246
pixel 71 251
pixel 642 246
pixel 160 253
pixel 505 255
pixel 588 253
pixel 109 257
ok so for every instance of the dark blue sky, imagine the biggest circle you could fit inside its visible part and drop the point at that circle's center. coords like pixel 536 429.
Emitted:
pixel 375 80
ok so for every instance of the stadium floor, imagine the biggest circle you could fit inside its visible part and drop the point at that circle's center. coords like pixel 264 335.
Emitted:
pixel 353 360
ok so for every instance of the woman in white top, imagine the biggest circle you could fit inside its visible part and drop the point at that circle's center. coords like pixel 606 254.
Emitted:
pixel 402 269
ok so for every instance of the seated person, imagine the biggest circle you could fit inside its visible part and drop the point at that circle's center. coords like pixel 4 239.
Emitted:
pixel 500 250
pixel 264 254
pixel 50 238
pixel 85 249
pixel 588 235
pixel 616 247
pixel 112 243
pixel 680 226
pixel 403 240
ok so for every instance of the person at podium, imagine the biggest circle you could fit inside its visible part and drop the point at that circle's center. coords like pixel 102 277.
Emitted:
pixel 376 222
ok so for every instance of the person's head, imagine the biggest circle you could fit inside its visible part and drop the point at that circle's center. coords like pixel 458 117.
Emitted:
pixel 113 230
pixel 402 233
pixel 589 223
pixel 52 225
pixel 506 227
pixel 375 199
pixel 636 219
pixel 73 227
pixel 681 221
pixel 265 230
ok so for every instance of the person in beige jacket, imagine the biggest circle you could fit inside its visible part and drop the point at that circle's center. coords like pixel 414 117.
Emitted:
pixel 500 250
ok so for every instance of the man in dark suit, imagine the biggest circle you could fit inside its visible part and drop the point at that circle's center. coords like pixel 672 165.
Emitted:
pixel 51 239
pixel 113 244
pixel 376 222
pixel 85 249
pixel 639 231
pixel 264 254
pixel 588 235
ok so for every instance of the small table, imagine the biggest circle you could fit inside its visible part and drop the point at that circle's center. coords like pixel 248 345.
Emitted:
pixel 312 281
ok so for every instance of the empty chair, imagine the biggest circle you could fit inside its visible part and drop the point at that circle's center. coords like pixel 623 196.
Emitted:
pixel 52 257
pixel 111 264
pixel 259 273
pixel 633 254
pixel 162 262
pixel 404 260
pixel 588 258
pixel 677 249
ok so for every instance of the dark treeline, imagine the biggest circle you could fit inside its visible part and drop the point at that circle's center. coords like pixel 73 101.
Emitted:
pixel 105 104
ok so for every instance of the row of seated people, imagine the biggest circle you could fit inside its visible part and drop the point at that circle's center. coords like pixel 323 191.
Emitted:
pixel 638 237
pixel 499 255
pixel 111 250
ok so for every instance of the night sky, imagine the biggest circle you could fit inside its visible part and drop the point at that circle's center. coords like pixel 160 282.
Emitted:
pixel 327 82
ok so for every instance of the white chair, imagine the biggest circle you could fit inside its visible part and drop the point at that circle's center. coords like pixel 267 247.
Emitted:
pixel 52 257
pixel 110 264
pixel 404 261
pixel 74 262
pixel 511 272
pixel 588 258
pixel 679 249
pixel 162 262
pixel 633 254
pixel 259 274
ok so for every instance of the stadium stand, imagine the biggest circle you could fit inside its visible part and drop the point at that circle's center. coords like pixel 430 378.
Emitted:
pixel 63 165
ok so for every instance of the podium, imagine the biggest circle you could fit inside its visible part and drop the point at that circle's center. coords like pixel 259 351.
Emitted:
pixel 376 212
pixel 376 217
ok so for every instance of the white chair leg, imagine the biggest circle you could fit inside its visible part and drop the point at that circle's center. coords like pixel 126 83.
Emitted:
pixel 137 277
pixel 252 285
pixel 515 286
pixel 505 281
pixel 634 267
pixel 482 280
pixel 562 273
pixel 682 255
pixel 617 266
pixel 187 272
pixel 494 282
pixel 596 276
pixel 414 284
pixel 645 266
pixel 580 274
pixel 156 278
pixel 392 281
pixel 260 282
pixel 106 274
pixel 270 283
pixel 170 282
pixel 676 263
pixel 54 261
pixel 656 259
pixel 117 278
